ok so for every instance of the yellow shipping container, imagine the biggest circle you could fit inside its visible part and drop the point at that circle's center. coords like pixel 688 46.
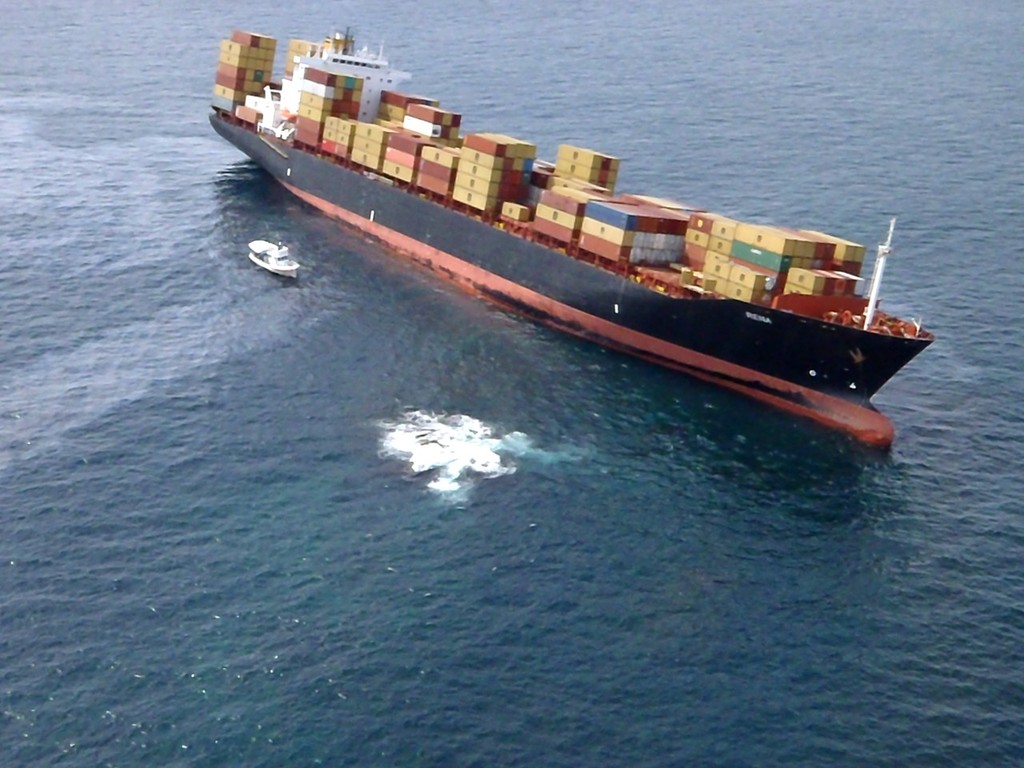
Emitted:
pixel 556 216
pixel 771 239
pixel 372 131
pixel 372 160
pixel 718 269
pixel 475 199
pixel 297 47
pixel 477 157
pixel 805 279
pixel 469 170
pixel 339 126
pixel 714 258
pixel 315 100
pixel 313 114
pixel 515 147
pixel 720 245
pixel 391 112
pixel 742 292
pixel 748 278
pixel 515 211
pixel 398 171
pixel 724 228
pixel 792 288
pixel 607 232
pixel 254 86
pixel 229 93
pixel 567 182
pixel 697 237
pixel 473 184
pixel 229 47
pixel 687 276
pixel 368 145
pixel 447 157
pixel 585 157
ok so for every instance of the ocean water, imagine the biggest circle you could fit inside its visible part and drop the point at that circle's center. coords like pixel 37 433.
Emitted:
pixel 363 519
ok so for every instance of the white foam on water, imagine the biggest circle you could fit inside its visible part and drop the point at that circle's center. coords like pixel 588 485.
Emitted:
pixel 452 450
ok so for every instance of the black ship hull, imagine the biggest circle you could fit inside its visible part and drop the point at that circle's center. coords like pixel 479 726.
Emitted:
pixel 817 369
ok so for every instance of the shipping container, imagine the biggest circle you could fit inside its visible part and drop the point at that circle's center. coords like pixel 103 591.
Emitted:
pixel 771 238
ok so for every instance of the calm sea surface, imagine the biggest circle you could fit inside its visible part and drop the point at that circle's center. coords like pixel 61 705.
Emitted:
pixel 362 519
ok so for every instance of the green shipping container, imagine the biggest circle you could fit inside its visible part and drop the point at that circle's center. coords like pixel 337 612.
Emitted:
pixel 767 259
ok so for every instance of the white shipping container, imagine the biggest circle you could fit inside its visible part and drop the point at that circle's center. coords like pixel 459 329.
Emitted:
pixel 421 126
pixel 308 86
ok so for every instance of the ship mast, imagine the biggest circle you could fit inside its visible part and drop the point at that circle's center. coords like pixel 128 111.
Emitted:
pixel 884 249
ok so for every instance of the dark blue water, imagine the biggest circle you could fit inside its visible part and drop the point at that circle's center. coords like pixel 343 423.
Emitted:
pixel 221 543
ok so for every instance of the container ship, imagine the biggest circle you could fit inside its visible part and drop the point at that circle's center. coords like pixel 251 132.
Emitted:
pixel 774 312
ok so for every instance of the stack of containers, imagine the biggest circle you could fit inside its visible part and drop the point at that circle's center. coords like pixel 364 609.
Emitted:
pixel 641 234
pixel 835 253
pixel 760 257
pixel 370 144
pixel 393 105
pixel 437 169
pixel 321 95
pixel 708 232
pixel 494 168
pixel 609 229
pixel 587 165
pixel 402 155
pixel 661 237
pixel 542 176
pixel 339 133
pixel 834 271
pixel 296 48
pixel 439 124
pixel 559 213
pixel 820 282
pixel 244 67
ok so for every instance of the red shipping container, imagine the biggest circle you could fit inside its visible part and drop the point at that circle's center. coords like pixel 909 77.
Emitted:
pixel 702 222
pixel 321 76
pixel 407 142
pixel 560 202
pixel 230 70
pixel 694 256
pixel 247 114
pixel 552 230
pixel 601 247
pixel 234 83
pixel 485 145
pixel 434 184
pixel 404 159
pixel 436 170
pixel 246 39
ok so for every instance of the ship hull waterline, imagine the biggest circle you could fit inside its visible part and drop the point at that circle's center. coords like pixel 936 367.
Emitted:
pixel 855 417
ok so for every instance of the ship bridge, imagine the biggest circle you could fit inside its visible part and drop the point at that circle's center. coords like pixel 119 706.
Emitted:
pixel 337 55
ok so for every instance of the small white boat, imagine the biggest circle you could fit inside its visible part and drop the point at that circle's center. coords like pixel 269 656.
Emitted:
pixel 273 258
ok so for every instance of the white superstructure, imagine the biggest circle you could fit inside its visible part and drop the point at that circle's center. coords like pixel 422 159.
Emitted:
pixel 335 55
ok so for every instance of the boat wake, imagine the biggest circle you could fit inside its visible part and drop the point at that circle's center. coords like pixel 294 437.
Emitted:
pixel 453 451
